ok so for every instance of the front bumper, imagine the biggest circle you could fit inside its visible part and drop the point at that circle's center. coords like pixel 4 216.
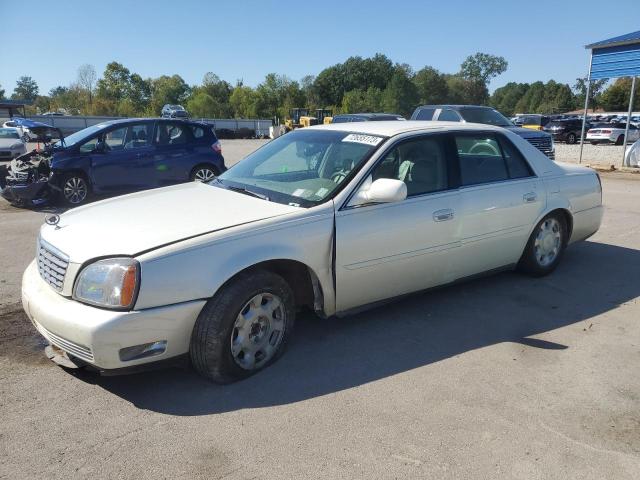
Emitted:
pixel 36 193
pixel 96 335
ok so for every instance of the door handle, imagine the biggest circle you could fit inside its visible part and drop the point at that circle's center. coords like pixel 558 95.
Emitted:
pixel 530 197
pixel 443 215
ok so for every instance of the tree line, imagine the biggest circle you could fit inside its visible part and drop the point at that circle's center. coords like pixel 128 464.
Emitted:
pixel 358 84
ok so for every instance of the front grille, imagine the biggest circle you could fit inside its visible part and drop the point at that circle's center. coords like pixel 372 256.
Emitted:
pixel 52 264
pixel 544 145
pixel 80 351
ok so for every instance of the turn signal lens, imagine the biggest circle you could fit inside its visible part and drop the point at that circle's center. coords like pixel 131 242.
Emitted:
pixel 128 286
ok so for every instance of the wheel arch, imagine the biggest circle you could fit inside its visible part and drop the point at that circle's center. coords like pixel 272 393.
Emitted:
pixel 562 210
pixel 305 284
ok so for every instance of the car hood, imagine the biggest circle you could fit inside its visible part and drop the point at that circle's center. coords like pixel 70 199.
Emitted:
pixel 140 222
pixel 527 132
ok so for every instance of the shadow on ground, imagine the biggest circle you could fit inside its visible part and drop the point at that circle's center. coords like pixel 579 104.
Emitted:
pixel 332 355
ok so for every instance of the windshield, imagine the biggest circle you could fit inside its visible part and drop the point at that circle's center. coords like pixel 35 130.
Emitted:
pixel 9 133
pixel 81 135
pixel 302 168
pixel 487 116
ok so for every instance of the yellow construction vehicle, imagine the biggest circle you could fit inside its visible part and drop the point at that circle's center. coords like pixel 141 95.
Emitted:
pixel 300 118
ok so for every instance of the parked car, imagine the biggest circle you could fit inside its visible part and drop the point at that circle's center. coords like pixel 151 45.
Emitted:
pixel 332 217
pixel 612 133
pixel 116 157
pixel 488 116
pixel 11 144
pixel 569 130
pixel 174 111
pixel 534 121
pixel 366 117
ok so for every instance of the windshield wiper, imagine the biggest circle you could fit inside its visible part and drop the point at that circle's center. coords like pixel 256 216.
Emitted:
pixel 248 192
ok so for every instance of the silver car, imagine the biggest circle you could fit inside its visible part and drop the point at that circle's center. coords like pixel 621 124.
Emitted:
pixel 11 144
pixel 332 217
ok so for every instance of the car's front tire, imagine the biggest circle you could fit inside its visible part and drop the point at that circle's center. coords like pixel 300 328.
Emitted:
pixel 545 246
pixel 244 328
pixel 75 189
pixel 571 138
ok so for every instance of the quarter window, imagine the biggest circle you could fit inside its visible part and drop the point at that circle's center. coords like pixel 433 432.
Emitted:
pixel 516 164
pixel 421 164
pixel 171 134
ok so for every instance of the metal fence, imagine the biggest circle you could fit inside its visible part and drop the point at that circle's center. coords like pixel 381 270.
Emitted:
pixel 225 127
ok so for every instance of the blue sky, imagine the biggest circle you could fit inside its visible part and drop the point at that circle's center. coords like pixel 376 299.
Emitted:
pixel 541 39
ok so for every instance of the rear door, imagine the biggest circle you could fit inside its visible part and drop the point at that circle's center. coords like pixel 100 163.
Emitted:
pixel 385 250
pixel 174 151
pixel 500 199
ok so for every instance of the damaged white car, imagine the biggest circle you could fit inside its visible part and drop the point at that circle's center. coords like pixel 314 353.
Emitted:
pixel 331 217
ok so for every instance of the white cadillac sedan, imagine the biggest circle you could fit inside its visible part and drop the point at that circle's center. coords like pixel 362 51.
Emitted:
pixel 331 217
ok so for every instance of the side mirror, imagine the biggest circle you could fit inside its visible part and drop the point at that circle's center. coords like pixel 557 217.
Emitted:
pixel 383 190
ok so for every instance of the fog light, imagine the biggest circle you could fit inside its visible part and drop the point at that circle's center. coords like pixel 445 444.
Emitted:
pixel 142 351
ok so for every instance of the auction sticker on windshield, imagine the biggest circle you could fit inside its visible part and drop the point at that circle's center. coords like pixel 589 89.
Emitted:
pixel 359 138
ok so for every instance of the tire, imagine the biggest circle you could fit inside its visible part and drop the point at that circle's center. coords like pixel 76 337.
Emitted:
pixel 594 143
pixel 76 190
pixel 218 351
pixel 203 173
pixel 620 140
pixel 571 138
pixel 545 247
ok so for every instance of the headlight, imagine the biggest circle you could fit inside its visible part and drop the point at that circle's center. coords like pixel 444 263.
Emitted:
pixel 110 283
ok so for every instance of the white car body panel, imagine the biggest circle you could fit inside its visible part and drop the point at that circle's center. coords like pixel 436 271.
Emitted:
pixel 190 239
pixel 597 134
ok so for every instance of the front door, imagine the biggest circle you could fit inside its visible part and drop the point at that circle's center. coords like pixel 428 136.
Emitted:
pixel 385 250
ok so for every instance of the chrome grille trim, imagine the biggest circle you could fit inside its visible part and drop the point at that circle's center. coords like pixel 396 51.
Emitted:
pixel 544 145
pixel 52 264
pixel 75 349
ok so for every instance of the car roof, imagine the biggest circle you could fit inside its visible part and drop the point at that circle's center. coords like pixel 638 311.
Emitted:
pixel 391 128
pixel 368 115
pixel 459 107
pixel 156 119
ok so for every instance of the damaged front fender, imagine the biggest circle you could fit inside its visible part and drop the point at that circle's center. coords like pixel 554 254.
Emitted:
pixel 26 180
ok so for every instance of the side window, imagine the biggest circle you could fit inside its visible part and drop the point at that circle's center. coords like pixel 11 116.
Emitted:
pixel 448 115
pixel 516 164
pixel 89 145
pixel 480 159
pixel 421 164
pixel 425 114
pixel 139 135
pixel 115 139
pixel 169 133
pixel 197 132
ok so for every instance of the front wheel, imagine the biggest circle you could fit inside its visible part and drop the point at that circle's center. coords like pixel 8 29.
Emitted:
pixel 75 190
pixel 545 246
pixel 243 328
pixel 571 138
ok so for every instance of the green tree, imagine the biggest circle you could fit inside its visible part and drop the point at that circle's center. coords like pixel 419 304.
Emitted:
pixel 478 70
pixel 580 89
pixel 616 96
pixel 401 94
pixel 505 99
pixel 167 89
pixel 115 82
pixel 244 102
pixel 202 105
pixel 26 89
pixel 431 86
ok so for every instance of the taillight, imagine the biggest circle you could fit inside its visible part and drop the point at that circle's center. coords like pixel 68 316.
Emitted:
pixel 605 131
pixel 217 147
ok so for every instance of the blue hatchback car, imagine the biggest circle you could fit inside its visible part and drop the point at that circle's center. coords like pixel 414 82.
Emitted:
pixel 122 156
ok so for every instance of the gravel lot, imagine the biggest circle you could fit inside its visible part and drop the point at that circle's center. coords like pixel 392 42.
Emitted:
pixel 504 377
pixel 597 155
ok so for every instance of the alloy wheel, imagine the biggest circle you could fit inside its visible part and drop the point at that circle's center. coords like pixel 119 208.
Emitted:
pixel 204 175
pixel 258 331
pixel 548 242
pixel 75 190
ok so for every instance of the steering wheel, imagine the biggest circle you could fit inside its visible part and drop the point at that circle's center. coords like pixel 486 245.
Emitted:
pixel 486 148
pixel 339 176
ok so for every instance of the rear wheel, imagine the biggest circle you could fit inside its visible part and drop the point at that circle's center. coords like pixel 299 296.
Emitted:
pixel 75 189
pixel 571 138
pixel 243 328
pixel 203 173
pixel 545 246
pixel 620 140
